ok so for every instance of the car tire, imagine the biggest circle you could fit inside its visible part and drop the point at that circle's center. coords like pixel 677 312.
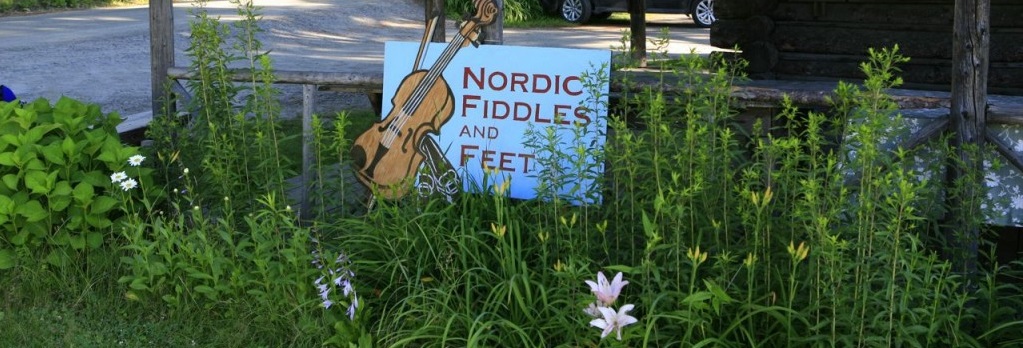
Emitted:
pixel 703 13
pixel 576 11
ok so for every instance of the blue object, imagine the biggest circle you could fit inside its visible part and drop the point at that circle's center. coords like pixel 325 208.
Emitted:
pixel 8 94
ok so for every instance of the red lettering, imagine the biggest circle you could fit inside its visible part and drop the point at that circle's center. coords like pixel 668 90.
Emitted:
pixel 519 116
pixel 525 161
pixel 478 79
pixel 564 86
pixel 465 156
pixel 546 80
pixel 580 113
pixel 505 161
pixel 519 79
pixel 559 110
pixel 488 156
pixel 501 113
pixel 465 102
pixel 502 85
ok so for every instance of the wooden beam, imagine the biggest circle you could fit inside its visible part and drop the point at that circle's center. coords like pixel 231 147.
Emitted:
pixel 365 81
pixel 161 53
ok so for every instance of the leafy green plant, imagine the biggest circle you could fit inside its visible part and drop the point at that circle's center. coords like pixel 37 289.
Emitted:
pixel 55 164
pixel 232 129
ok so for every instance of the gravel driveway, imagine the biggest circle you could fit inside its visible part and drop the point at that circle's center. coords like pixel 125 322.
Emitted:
pixel 102 55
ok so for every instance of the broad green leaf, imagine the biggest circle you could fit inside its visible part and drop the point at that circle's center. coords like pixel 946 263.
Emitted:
pixel 84 193
pixel 107 157
pixel 98 220
pixel 38 229
pixel 32 211
pixel 139 284
pixel 60 197
pixel 103 204
pixel 20 238
pixel 77 242
pixel 34 135
pixel 54 153
pixel 11 181
pixel 6 206
pixel 34 163
pixel 7 159
pixel 35 181
pixel 62 188
pixel 96 178
pixel 7 258
pixel 68 147
pixel 12 139
pixel 157 268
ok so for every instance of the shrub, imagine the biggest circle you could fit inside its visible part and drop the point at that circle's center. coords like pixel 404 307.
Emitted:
pixel 56 164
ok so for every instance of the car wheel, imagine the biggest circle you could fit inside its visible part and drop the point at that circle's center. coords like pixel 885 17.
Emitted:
pixel 703 13
pixel 576 11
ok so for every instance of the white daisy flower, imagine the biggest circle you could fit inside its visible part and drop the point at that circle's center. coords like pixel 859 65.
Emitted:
pixel 129 184
pixel 118 177
pixel 136 160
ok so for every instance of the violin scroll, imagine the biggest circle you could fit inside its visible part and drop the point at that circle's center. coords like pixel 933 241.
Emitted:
pixel 486 11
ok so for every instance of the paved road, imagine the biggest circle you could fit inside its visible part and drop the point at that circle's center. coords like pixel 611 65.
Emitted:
pixel 102 55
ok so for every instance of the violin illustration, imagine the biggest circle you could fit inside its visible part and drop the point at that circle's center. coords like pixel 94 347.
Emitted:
pixel 388 155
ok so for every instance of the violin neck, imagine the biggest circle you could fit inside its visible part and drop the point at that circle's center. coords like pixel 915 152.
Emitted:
pixel 419 94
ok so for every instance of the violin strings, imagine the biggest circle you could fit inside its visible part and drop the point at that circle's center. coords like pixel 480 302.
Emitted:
pixel 419 93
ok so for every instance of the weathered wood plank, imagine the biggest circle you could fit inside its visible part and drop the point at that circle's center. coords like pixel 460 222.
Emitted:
pixel 1004 77
pixel 1006 15
pixel 365 81
pixel 923 42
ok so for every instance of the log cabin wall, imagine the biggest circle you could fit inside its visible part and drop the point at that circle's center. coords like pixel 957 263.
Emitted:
pixel 801 39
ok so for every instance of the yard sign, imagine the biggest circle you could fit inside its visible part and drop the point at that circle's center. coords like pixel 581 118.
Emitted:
pixel 498 93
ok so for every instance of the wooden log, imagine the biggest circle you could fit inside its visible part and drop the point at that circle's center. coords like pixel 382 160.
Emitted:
pixel 1004 15
pixel 967 116
pixel 764 6
pixel 1004 78
pixel 850 38
pixel 762 56
pixel 728 33
pixel 759 28
pixel 732 9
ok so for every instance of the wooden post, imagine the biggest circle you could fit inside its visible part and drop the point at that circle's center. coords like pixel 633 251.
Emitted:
pixel 308 155
pixel 436 8
pixel 493 33
pixel 637 25
pixel 161 52
pixel 968 114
